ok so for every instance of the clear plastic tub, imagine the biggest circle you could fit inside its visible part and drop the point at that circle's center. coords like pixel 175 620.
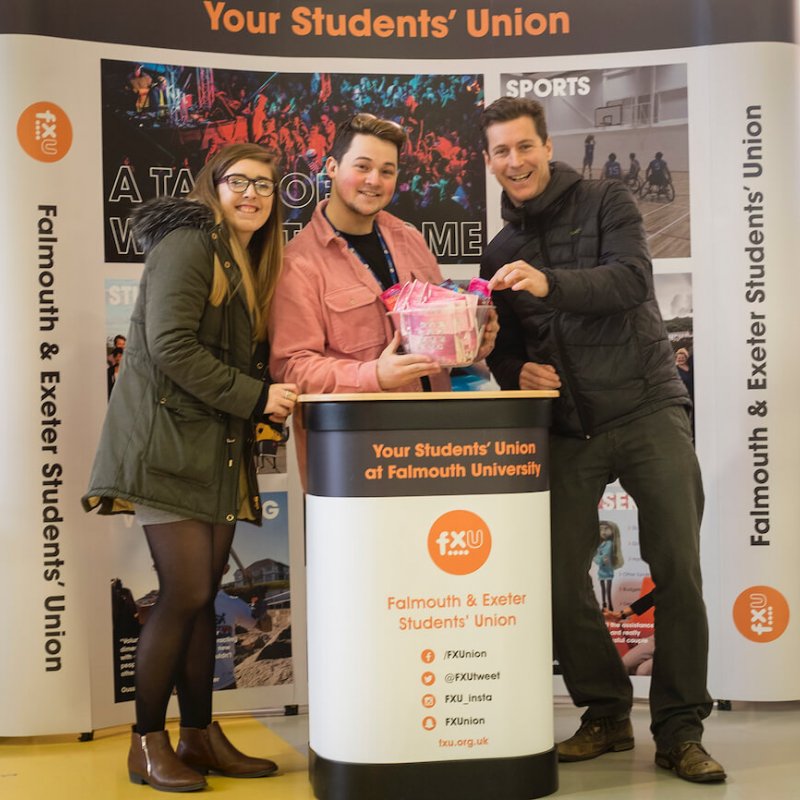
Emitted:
pixel 449 333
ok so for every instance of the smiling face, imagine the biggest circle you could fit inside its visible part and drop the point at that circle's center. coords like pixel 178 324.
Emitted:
pixel 363 181
pixel 518 158
pixel 245 213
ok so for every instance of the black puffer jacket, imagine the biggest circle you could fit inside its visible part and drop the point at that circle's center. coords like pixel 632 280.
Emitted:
pixel 600 326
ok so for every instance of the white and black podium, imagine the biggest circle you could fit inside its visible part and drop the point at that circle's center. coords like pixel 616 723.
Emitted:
pixel 428 574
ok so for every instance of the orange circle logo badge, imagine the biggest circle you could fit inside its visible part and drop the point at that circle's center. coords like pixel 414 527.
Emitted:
pixel 44 132
pixel 428 656
pixel 761 614
pixel 459 542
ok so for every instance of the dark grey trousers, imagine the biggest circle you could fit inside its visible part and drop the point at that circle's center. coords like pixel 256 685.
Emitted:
pixel 653 457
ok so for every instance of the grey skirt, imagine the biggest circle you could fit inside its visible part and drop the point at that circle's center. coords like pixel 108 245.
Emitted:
pixel 147 515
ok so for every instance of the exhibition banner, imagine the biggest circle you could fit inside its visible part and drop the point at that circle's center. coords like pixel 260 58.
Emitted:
pixel 106 110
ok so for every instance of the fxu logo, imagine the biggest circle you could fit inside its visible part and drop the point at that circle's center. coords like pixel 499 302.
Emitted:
pixel 459 542
pixel 44 132
pixel 761 613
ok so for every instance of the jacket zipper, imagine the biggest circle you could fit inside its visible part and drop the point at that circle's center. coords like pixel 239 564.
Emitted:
pixel 229 464
pixel 560 341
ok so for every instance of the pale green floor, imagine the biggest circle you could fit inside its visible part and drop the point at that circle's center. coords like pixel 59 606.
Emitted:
pixel 759 744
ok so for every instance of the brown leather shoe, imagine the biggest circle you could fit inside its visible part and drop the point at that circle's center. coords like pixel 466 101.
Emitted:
pixel 152 760
pixel 208 750
pixel 595 737
pixel 692 762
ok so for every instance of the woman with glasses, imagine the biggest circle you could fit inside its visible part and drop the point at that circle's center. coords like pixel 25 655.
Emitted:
pixel 177 444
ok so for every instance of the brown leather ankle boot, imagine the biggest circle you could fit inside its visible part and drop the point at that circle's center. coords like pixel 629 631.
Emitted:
pixel 208 750
pixel 152 760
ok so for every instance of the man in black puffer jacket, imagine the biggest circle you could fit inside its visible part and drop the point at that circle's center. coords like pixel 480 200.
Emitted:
pixel 573 287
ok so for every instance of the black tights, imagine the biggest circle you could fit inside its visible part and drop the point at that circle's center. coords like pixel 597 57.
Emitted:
pixel 605 590
pixel 177 644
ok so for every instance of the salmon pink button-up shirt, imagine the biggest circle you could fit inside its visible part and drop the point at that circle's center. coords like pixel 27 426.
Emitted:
pixel 328 325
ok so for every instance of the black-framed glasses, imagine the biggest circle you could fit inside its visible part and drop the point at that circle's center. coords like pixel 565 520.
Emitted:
pixel 239 183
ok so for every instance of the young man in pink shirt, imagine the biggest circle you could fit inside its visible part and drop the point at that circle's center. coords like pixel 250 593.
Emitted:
pixel 328 327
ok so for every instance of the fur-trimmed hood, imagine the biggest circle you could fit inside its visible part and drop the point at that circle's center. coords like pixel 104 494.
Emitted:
pixel 162 215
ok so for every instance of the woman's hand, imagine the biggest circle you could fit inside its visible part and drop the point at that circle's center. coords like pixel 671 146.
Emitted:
pixel 281 398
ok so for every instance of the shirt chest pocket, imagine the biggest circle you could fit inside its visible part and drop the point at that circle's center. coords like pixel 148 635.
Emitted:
pixel 356 319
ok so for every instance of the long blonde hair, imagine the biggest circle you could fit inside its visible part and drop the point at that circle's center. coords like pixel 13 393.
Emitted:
pixel 617 559
pixel 260 262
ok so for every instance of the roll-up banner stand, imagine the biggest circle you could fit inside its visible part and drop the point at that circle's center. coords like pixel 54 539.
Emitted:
pixel 103 111
pixel 428 569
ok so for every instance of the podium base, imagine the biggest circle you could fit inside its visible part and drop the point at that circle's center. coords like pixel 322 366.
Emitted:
pixel 517 778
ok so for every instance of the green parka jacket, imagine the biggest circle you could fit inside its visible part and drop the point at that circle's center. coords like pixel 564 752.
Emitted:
pixel 179 429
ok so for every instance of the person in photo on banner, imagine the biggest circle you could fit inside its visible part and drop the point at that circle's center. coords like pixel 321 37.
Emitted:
pixel 612 169
pixel 330 331
pixel 588 155
pixel 113 368
pixel 119 343
pixel 638 660
pixel 657 172
pixel 177 443
pixel 573 286
pixel 684 363
pixel 608 558
pixel 231 613
pixel 140 83
pixel 634 168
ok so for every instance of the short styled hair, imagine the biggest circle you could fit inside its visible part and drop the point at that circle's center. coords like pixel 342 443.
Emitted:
pixel 504 109
pixel 370 125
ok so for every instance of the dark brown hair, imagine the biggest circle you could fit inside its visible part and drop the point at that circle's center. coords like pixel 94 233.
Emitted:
pixel 369 125
pixel 504 109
